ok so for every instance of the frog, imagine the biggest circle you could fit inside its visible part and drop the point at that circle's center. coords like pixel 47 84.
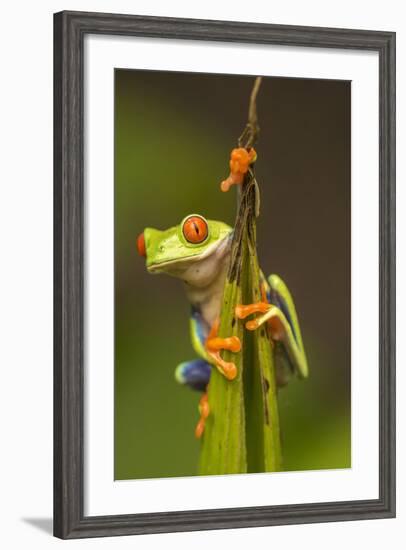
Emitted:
pixel 197 252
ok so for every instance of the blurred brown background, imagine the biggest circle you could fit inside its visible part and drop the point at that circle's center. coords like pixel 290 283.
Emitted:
pixel 173 137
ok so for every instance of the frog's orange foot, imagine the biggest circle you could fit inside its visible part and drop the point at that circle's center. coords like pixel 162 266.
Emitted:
pixel 228 369
pixel 268 314
pixel 241 312
pixel 214 345
pixel 204 410
pixel 239 163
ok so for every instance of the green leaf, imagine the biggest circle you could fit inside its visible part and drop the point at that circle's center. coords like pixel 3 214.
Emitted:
pixel 224 445
pixel 242 431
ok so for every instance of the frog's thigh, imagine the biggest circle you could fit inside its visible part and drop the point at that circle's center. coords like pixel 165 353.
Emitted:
pixel 195 374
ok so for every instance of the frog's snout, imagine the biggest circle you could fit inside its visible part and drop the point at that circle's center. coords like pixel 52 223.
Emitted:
pixel 141 245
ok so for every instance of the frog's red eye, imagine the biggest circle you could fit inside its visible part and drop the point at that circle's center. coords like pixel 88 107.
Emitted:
pixel 141 245
pixel 195 229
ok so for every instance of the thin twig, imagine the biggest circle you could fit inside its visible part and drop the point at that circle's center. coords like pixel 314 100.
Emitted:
pixel 252 111
pixel 250 134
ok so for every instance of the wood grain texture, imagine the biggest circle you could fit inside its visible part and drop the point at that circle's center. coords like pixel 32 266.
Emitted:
pixel 69 31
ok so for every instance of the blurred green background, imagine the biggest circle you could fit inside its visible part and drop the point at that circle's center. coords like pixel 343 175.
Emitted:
pixel 173 137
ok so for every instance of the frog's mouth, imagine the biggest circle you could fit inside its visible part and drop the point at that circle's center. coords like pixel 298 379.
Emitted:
pixel 177 265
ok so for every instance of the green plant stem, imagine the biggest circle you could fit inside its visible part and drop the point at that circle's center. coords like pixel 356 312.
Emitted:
pixel 242 432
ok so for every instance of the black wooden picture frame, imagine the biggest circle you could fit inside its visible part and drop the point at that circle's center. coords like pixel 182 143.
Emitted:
pixel 70 29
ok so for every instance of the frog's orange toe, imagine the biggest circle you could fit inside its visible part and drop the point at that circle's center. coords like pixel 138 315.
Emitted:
pixel 230 371
pixel 199 429
pixel 226 184
pixel 233 179
pixel 232 343
pixel 204 406
pixel 251 325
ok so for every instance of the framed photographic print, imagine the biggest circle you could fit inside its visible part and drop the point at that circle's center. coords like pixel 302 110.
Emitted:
pixel 224 274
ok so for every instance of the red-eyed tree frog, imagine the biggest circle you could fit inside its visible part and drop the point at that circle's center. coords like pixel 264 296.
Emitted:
pixel 198 253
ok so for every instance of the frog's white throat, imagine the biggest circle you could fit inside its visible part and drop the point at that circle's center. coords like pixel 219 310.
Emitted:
pixel 204 277
pixel 203 271
pixel 204 281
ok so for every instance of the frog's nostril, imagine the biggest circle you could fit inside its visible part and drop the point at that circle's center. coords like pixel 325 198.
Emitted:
pixel 141 245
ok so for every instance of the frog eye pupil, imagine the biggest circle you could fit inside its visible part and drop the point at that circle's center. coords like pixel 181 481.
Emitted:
pixel 195 229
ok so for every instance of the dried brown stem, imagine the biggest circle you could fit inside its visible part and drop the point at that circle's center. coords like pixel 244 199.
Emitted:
pixel 250 134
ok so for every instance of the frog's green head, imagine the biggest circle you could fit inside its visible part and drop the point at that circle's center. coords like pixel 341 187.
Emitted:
pixel 193 251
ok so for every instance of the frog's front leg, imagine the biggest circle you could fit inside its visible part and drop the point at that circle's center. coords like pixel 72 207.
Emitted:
pixel 280 315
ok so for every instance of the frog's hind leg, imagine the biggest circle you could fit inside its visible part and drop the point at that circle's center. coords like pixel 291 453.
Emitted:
pixel 196 375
